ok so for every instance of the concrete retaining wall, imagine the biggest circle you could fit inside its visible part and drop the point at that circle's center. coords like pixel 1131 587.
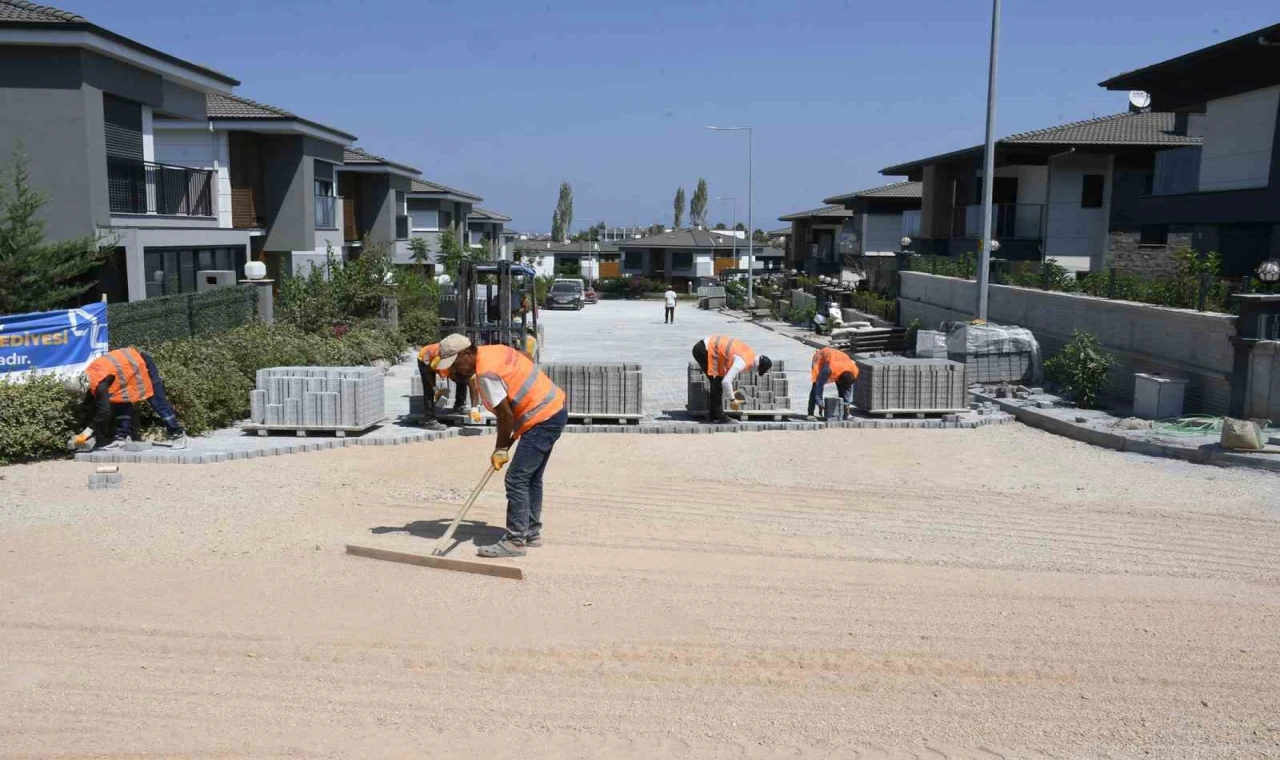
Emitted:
pixel 1143 338
pixel 1264 381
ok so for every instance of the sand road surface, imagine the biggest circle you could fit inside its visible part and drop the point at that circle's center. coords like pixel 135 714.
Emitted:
pixel 842 594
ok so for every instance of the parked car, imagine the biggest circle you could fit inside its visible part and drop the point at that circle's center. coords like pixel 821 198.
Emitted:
pixel 566 294
pixel 589 295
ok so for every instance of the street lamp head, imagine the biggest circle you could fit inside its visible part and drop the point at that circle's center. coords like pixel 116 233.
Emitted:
pixel 905 242
pixel 995 245
pixel 1269 271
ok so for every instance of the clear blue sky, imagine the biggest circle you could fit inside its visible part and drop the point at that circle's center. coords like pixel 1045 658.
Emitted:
pixel 506 98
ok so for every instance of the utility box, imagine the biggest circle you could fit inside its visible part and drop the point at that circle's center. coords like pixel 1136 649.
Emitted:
pixel 208 279
pixel 1156 397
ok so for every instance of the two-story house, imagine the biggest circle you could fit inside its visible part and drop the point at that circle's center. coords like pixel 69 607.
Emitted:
pixel 373 191
pixel 82 102
pixel 433 208
pixel 1068 193
pixel 487 229
pixel 1223 191
pixel 862 223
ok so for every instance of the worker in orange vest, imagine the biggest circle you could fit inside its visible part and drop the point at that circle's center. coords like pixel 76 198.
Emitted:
pixel 722 359
pixel 117 381
pixel 831 363
pixel 427 359
pixel 531 409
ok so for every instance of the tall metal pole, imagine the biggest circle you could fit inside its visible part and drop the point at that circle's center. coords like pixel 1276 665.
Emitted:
pixel 988 168
pixel 751 249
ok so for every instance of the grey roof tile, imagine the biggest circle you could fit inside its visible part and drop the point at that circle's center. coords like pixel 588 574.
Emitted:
pixel 896 190
pixel 835 211
pixel 221 105
pixel 20 10
pixel 423 186
pixel 352 155
pixel 484 213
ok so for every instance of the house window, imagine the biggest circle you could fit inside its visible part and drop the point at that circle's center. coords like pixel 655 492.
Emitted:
pixel 170 271
pixel 401 208
pixel 632 260
pixel 426 220
pixel 681 260
pixel 324 188
pixel 1091 191
pixel 1154 234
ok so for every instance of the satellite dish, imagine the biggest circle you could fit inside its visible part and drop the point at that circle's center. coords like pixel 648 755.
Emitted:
pixel 1139 100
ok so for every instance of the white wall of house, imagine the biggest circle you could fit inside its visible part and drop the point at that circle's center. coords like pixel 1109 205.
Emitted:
pixel 704 265
pixel 148 134
pixel 1076 236
pixel 881 232
pixel 1238 135
pixel 199 149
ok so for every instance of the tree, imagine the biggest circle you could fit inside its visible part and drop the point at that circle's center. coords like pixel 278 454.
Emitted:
pixel 557 227
pixel 759 236
pixel 420 252
pixel 740 227
pixel 679 208
pixel 698 205
pixel 35 275
pixel 656 229
pixel 721 226
pixel 564 206
pixel 452 253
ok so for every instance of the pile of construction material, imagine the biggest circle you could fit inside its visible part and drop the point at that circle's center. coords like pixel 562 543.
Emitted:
pixel 320 398
pixel 899 384
pixel 416 400
pixel 764 393
pixel 994 354
pixel 600 390
pixel 711 297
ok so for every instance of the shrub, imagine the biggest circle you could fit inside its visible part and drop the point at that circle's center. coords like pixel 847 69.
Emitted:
pixel 36 419
pixel 881 305
pixel 1081 367
pixel 801 316
pixel 629 287
pixel 339 294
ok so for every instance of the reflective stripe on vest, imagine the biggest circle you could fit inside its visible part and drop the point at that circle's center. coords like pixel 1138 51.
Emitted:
pixel 721 352
pixel 132 380
pixel 836 361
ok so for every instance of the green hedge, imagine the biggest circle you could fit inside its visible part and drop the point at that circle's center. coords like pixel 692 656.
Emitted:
pixel 158 320
pixel 207 380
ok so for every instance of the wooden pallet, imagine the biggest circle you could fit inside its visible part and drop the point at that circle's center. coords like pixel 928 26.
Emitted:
pixel 917 413
pixel 301 431
pixel 464 419
pixel 607 419
pixel 753 415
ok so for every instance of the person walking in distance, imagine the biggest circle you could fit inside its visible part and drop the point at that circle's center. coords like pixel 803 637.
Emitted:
pixel 670 298
pixel 531 409
pixel 722 359
pixel 831 363
pixel 116 382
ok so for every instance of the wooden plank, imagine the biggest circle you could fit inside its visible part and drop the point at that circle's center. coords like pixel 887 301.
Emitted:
pixel 479 567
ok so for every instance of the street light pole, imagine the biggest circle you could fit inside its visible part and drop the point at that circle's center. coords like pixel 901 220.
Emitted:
pixel 751 249
pixel 988 168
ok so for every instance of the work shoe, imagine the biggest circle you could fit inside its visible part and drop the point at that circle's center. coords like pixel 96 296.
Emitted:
pixel 435 425
pixel 178 441
pixel 504 548
pixel 116 445
pixel 534 541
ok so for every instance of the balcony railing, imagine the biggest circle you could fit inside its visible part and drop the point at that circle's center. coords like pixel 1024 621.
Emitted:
pixel 402 227
pixel 1009 221
pixel 141 187
pixel 326 212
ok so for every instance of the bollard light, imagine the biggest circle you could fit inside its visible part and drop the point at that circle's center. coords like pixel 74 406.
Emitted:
pixel 1269 271
pixel 995 245
pixel 905 242
pixel 255 270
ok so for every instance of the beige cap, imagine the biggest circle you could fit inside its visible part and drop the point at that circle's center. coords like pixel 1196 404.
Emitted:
pixel 450 347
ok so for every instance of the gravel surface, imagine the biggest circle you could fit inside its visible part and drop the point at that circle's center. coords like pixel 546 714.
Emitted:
pixel 837 594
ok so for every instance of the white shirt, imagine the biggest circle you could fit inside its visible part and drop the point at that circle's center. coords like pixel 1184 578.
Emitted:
pixel 492 391
pixel 670 295
pixel 735 369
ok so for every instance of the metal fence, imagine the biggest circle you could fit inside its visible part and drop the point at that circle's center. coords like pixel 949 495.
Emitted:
pixel 141 187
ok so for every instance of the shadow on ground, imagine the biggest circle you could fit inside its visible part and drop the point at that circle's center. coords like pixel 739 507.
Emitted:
pixel 476 531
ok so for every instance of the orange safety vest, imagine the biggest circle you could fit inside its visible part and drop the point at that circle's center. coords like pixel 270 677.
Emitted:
pixel 721 349
pixel 836 361
pixel 132 381
pixel 532 395
pixel 431 352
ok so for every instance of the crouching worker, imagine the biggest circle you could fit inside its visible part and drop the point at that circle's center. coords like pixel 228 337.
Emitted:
pixel 529 408
pixel 828 364
pixel 429 372
pixel 116 381
pixel 722 359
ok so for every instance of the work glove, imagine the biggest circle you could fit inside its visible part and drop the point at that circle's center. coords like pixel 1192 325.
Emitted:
pixel 82 442
pixel 442 393
pixel 499 459
pixel 735 405
pixel 476 417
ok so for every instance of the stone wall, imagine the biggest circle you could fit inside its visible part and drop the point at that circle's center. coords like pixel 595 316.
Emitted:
pixel 1142 338
pixel 1129 256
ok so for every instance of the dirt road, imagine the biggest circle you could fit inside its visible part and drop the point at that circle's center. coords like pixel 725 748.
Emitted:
pixel 985 593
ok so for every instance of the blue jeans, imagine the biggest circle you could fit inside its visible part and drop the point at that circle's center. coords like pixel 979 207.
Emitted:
pixel 524 477
pixel 815 393
pixel 159 402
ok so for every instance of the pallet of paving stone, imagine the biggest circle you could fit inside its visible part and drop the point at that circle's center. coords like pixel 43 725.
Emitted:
pixel 899 385
pixel 767 394
pixel 338 399
pixel 600 390
pixel 302 431
pixel 868 339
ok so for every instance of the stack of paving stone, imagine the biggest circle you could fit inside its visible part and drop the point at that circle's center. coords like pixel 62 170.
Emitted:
pixel 600 390
pixel 764 393
pixel 348 398
pixel 415 392
pixel 995 353
pixel 902 384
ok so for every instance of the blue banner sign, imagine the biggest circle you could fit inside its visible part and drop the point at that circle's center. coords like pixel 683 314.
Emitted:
pixel 52 341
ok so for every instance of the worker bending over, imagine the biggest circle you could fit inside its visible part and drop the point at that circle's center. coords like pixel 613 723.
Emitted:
pixel 831 363
pixel 427 370
pixel 722 359
pixel 530 408
pixel 117 381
